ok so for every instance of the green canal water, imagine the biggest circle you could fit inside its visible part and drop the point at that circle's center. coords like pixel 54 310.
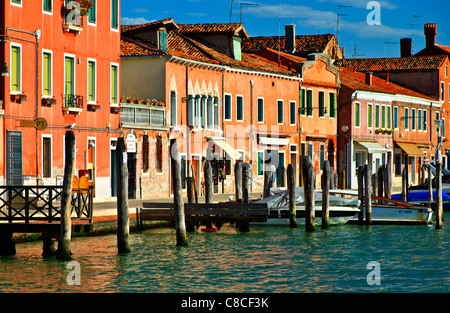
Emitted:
pixel 266 260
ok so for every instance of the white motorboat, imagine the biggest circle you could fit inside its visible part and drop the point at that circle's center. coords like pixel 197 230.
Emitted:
pixel 391 212
pixel 341 210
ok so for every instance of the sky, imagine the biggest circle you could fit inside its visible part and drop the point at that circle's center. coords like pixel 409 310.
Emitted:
pixel 367 29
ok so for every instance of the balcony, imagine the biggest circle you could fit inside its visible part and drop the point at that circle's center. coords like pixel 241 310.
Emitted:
pixel 73 104
pixel 73 20
pixel 143 116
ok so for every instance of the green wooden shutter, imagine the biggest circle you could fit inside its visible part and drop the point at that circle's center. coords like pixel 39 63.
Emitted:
pixel 114 84
pixel 69 88
pixel 91 81
pixel 47 66
pixel 16 71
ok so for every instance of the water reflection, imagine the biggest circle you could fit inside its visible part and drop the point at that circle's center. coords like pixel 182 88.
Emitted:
pixel 267 259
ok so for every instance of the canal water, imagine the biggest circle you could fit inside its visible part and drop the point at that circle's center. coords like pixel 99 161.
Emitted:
pixel 409 259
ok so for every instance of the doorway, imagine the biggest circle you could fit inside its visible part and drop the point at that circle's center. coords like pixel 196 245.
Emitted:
pixel 131 164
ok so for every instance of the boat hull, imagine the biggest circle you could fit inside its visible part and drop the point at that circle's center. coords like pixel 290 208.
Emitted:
pixel 390 215
pixel 337 216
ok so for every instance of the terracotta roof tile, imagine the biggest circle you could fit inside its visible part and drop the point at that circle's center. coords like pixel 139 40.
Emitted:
pixel 304 43
pixel 221 28
pixel 155 24
pixel 129 47
pixel 393 64
pixel 357 81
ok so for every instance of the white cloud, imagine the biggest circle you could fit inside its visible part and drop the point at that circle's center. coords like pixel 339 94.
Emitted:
pixel 307 17
pixel 362 4
pixel 140 10
pixel 134 20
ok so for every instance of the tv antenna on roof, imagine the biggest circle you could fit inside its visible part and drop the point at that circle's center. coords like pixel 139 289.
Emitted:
pixel 414 29
pixel 245 3
pixel 231 10
pixel 356 54
pixel 338 19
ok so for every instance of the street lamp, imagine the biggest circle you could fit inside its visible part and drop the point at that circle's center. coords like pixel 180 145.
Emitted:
pixel 439 123
pixel 5 70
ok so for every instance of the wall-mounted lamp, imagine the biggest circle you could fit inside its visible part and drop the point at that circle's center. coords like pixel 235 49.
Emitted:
pixel 5 70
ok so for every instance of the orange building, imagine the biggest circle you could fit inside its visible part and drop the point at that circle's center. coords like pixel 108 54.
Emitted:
pixel 227 105
pixel 62 63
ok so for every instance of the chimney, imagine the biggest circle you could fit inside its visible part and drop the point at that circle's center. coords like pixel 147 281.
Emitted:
pixel 430 34
pixel 405 47
pixel 369 78
pixel 387 77
pixel 289 46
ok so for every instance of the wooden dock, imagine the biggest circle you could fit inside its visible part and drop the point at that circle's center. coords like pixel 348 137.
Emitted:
pixel 206 212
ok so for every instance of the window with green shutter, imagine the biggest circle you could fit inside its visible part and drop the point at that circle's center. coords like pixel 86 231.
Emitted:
pixel 260 110
pixel 48 5
pixel 321 103
pixel 91 81
pixel 115 14
pixel 293 112
pixel 369 115
pixel 93 12
pixel 302 102
pixel 280 111
pixel 114 84
pixel 357 114
pixel 260 163
pixel 69 83
pixel 332 112
pixel 47 79
pixel 16 69
pixel 309 102
pixel 239 108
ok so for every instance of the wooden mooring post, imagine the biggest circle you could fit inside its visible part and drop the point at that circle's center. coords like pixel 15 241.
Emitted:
pixel 309 177
pixel 209 191
pixel 439 208
pixel 64 252
pixel 180 224
pixel 405 184
pixel 238 182
pixel 367 194
pixel 326 174
pixel 123 220
pixel 361 194
pixel 244 225
pixel 292 199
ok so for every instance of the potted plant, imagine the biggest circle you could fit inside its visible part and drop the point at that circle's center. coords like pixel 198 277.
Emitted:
pixel 129 100
pixel 48 101
pixel 146 101
pixel 137 100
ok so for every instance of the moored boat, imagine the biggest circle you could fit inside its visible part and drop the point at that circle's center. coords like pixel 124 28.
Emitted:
pixel 341 210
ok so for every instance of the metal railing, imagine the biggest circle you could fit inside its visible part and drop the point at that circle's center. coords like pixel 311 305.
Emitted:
pixel 73 101
pixel 42 203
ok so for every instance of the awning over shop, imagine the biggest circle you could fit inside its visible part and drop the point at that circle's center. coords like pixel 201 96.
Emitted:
pixel 273 141
pixel 371 147
pixel 220 141
pixel 411 149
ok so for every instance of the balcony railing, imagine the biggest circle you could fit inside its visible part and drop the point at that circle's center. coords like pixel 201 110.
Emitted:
pixel 143 116
pixel 73 19
pixel 73 103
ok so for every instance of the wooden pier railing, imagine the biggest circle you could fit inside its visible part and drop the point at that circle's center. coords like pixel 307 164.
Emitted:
pixel 34 204
pixel 203 212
